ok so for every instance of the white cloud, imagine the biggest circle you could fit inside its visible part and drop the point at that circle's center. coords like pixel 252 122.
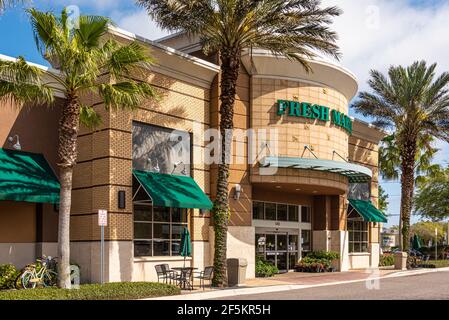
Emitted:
pixel 141 24
pixel 99 5
pixel 378 33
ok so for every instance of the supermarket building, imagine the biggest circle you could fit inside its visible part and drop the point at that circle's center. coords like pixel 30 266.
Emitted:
pixel 310 182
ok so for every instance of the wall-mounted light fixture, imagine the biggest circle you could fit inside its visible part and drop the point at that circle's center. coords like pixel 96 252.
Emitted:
pixel 237 191
pixel 121 199
pixel 16 145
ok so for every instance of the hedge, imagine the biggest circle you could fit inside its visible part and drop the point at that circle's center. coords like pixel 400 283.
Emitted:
pixel 108 291
pixel 386 259
pixel 265 269
pixel 8 276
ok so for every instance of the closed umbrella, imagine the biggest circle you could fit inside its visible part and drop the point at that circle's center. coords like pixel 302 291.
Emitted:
pixel 186 246
pixel 416 242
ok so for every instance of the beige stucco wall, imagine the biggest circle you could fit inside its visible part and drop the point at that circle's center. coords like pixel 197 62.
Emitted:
pixel 359 260
pixel 240 244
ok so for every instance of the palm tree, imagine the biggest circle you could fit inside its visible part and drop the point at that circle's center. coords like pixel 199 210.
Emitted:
pixel 414 103
pixel 82 56
pixel 296 29
pixel 390 158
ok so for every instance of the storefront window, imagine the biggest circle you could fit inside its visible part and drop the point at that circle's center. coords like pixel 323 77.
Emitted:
pixel 276 211
pixel 306 236
pixel 158 230
pixel 293 214
pixel 358 236
pixel 282 213
pixel 258 209
pixel 270 211
pixel 306 215
pixel 359 191
pixel 162 150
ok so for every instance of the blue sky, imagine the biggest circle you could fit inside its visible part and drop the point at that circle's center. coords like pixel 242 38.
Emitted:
pixel 373 34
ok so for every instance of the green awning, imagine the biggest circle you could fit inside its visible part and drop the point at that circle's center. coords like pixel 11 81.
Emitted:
pixel 167 190
pixel 26 176
pixel 355 173
pixel 368 211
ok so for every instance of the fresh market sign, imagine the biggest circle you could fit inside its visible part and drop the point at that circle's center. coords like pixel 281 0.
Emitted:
pixel 314 111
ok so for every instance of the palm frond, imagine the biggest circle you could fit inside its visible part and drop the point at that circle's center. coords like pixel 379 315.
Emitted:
pixel 89 118
pixel 122 60
pixel 128 94
pixel 297 29
pixel 21 82
pixel 188 15
pixel 47 33
pixel 90 31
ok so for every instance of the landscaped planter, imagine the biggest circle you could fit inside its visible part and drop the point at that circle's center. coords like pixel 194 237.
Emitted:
pixel 319 261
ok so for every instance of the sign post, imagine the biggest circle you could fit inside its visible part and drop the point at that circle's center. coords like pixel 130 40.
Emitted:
pixel 436 243
pixel 102 222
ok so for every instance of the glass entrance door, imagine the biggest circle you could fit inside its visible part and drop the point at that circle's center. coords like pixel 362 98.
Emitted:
pixel 280 249
pixel 281 252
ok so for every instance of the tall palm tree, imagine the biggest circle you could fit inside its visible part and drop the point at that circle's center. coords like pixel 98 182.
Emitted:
pixel 413 102
pixel 83 56
pixel 292 28
pixel 390 158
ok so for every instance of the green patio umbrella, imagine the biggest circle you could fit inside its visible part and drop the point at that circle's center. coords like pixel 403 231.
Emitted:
pixel 416 242
pixel 186 246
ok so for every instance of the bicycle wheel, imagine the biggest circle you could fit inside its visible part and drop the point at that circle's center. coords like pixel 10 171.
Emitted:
pixel 27 280
pixel 49 278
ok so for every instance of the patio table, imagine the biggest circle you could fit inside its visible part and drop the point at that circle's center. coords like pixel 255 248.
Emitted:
pixel 191 274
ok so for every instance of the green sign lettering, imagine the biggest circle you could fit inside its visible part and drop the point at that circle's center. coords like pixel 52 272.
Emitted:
pixel 314 111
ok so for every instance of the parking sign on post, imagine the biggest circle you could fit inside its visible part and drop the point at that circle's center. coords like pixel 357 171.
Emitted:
pixel 102 218
pixel 102 222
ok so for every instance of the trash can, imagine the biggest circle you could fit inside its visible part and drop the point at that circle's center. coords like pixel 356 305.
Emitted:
pixel 400 261
pixel 236 271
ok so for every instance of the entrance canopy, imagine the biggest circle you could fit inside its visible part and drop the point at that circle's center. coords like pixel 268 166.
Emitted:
pixel 27 177
pixel 367 211
pixel 354 172
pixel 174 191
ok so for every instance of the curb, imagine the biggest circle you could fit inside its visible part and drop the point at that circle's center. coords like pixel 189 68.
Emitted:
pixel 279 288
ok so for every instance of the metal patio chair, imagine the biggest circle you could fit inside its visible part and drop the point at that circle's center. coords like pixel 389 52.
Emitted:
pixel 161 274
pixel 204 275
pixel 169 273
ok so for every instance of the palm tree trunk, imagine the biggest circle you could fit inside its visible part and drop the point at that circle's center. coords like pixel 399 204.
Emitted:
pixel 230 64
pixel 67 152
pixel 408 156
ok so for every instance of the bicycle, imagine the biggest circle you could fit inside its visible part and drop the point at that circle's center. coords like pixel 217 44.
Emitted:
pixel 42 273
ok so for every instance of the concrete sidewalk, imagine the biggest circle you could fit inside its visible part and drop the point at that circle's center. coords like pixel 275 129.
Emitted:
pixel 298 280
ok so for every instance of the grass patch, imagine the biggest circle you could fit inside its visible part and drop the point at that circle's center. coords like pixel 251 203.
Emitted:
pixel 108 291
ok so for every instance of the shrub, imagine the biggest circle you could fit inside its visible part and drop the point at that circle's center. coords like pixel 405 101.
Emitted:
pixel 325 255
pixel 386 259
pixel 317 261
pixel 8 276
pixel 264 268
pixel 108 291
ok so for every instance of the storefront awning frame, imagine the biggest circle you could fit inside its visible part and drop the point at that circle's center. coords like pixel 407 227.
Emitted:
pixel 367 211
pixel 27 177
pixel 176 191
pixel 355 173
